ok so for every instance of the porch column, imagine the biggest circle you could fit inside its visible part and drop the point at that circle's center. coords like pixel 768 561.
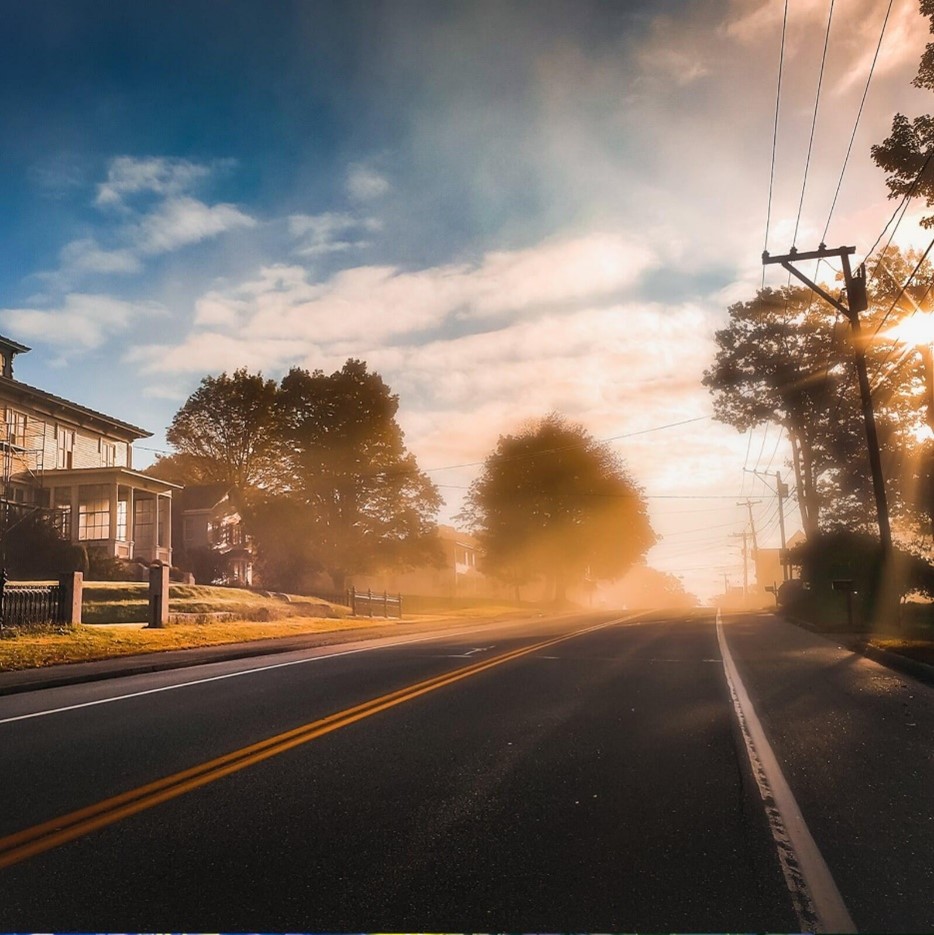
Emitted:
pixel 75 489
pixel 114 498
pixel 131 521
pixel 155 527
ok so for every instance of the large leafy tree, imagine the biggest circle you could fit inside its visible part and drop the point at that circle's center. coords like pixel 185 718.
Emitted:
pixel 346 462
pixel 324 481
pixel 905 155
pixel 775 365
pixel 551 500
pixel 787 359
pixel 229 430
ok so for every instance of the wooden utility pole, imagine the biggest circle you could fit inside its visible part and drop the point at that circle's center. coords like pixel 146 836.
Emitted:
pixel 752 523
pixel 742 535
pixel 782 491
pixel 857 302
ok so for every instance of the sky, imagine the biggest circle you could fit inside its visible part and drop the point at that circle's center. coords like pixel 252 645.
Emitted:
pixel 506 208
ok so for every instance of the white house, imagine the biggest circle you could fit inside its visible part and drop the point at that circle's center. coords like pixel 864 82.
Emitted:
pixel 77 464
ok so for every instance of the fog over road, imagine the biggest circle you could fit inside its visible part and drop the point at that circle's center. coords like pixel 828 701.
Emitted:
pixel 581 772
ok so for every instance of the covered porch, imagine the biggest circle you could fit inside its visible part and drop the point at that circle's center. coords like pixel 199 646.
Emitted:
pixel 119 511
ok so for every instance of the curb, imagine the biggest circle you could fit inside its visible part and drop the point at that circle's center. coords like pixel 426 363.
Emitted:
pixel 904 664
pixel 18 681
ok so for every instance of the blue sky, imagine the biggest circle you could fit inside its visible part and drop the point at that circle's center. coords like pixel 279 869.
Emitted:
pixel 504 207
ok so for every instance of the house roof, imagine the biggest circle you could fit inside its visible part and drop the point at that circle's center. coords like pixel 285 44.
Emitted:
pixel 14 346
pixel 203 496
pixel 75 411
pixel 109 475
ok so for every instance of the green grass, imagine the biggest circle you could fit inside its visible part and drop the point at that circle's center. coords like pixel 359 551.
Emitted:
pixel 128 602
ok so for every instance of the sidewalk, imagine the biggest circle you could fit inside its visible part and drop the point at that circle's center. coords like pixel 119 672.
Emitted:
pixel 859 643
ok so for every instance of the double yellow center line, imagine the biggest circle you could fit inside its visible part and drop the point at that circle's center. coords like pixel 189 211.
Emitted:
pixel 22 845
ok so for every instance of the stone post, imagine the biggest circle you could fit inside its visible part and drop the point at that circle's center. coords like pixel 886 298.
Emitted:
pixel 158 594
pixel 72 585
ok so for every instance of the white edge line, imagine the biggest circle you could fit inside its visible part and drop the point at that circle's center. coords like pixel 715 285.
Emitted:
pixel 277 665
pixel 832 914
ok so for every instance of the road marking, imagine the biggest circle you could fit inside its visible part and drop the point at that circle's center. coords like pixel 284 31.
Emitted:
pixel 252 671
pixel 30 842
pixel 817 901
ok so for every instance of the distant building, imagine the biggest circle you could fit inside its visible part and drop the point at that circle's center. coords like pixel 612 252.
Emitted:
pixel 209 536
pixel 77 465
pixel 457 576
pixel 769 564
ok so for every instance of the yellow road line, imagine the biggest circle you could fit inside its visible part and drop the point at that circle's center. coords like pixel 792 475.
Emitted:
pixel 30 842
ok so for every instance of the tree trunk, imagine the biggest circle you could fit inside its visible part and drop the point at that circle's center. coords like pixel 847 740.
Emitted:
pixel 802 462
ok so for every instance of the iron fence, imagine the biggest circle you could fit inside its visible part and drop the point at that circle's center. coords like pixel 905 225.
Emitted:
pixel 26 605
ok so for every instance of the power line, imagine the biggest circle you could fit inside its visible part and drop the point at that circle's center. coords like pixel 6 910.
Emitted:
pixel 859 114
pixel 765 435
pixel 643 496
pixel 903 208
pixel 778 95
pixel 781 432
pixel 807 164
pixel 612 438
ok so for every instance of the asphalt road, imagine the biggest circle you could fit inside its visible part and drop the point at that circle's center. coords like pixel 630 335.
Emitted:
pixel 562 774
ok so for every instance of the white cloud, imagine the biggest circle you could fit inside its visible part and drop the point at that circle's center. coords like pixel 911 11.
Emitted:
pixel 87 256
pixel 82 321
pixel 364 183
pixel 378 302
pixel 178 222
pixel 322 233
pixel 128 175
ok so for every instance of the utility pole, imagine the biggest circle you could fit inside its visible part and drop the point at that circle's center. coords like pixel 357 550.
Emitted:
pixel 742 535
pixel 857 302
pixel 752 526
pixel 752 523
pixel 782 490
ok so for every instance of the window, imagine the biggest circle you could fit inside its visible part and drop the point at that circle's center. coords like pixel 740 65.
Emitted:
pixel 16 424
pixel 94 513
pixel 65 448
pixel 61 511
pixel 108 452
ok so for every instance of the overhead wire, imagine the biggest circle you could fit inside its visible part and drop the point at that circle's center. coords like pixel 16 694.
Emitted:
pixel 778 96
pixel 807 163
pixel 859 114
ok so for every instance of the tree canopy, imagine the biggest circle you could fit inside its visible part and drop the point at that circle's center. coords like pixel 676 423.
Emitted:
pixel 228 431
pixel 905 155
pixel 551 500
pixel 786 358
pixel 346 461
pixel 325 483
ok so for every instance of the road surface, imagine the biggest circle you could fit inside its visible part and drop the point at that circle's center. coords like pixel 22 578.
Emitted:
pixel 583 772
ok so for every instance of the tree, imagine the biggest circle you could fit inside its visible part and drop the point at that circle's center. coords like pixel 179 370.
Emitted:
pixel 787 359
pixel 370 506
pixel 905 154
pixel 228 431
pixel 552 500
pixel 33 548
pixel 774 365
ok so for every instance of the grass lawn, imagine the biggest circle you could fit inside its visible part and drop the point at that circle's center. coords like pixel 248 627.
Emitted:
pixel 919 650
pixel 86 642
pixel 128 602
pixel 114 613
